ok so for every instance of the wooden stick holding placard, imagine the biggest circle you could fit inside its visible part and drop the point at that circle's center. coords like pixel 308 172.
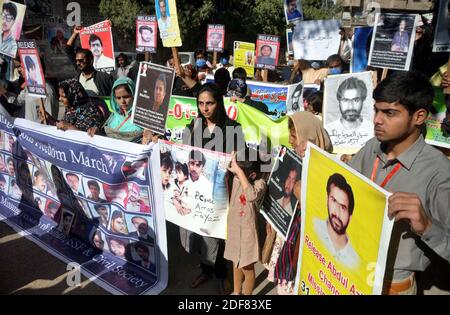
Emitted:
pixel 147 56
pixel 384 74
pixel 214 59
pixel 42 112
pixel 265 75
pixel 176 61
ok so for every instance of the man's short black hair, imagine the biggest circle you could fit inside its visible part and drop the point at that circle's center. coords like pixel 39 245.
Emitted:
pixel 11 8
pixel 407 88
pixel 197 155
pixel 240 73
pixel 93 38
pixel 72 174
pixel 352 84
pixel 340 182
pixel 29 63
pixel 86 52
pixel 334 58
pixel 145 27
pixel 93 183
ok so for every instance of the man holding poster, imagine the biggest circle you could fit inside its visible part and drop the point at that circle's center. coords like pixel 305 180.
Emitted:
pixel 399 160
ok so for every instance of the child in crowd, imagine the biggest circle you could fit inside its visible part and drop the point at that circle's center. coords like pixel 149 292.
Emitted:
pixel 242 246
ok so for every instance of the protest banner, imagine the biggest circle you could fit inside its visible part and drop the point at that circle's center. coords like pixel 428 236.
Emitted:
pixel 215 37
pixel 244 57
pixel 195 194
pixel 348 111
pixel 98 39
pixel 89 201
pixel 152 97
pixel 434 133
pixel 293 11
pixel 257 127
pixel 280 203
pixel 393 41
pixel 57 37
pixel 267 50
pixel 290 45
pixel 441 41
pixel 31 63
pixel 361 48
pixel 339 205
pixel 13 15
pixel 316 40
pixel 169 31
pixel 146 29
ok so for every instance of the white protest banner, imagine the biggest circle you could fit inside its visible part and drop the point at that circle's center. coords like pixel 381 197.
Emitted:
pixel 146 29
pixel 393 41
pixel 90 201
pixel 31 63
pixel 195 195
pixel 348 111
pixel 98 39
pixel 316 40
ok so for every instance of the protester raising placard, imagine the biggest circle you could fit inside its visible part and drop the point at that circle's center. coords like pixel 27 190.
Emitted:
pixel 152 97
pixel 98 39
pixel 215 37
pixel 316 40
pixel 345 230
pixel 11 27
pixel 146 29
pixel 280 203
pixel 348 111
pixel 169 31
pixel 267 50
pixel 31 63
pixel 195 194
pixel 393 41
pixel 244 57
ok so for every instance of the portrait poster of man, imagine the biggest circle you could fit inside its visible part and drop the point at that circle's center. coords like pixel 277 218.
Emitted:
pixel 393 41
pixel 215 37
pixel 293 11
pixel 34 77
pixel 316 39
pixel 362 37
pixel 280 203
pixel 244 57
pixel 348 111
pixel 294 102
pixel 12 19
pixel 441 41
pixel 98 39
pixel 166 15
pixel 194 189
pixel 267 50
pixel 146 29
pixel 345 229
pixel 290 45
pixel 151 102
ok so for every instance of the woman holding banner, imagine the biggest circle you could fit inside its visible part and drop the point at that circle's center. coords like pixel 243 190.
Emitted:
pixel 119 124
pixel 303 127
pixel 214 130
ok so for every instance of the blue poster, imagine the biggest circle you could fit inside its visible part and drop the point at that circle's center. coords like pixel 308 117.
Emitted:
pixel 88 201
pixel 361 48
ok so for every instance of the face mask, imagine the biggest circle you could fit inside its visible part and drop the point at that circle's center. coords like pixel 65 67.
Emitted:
pixel 335 71
pixel 200 63
pixel 224 61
